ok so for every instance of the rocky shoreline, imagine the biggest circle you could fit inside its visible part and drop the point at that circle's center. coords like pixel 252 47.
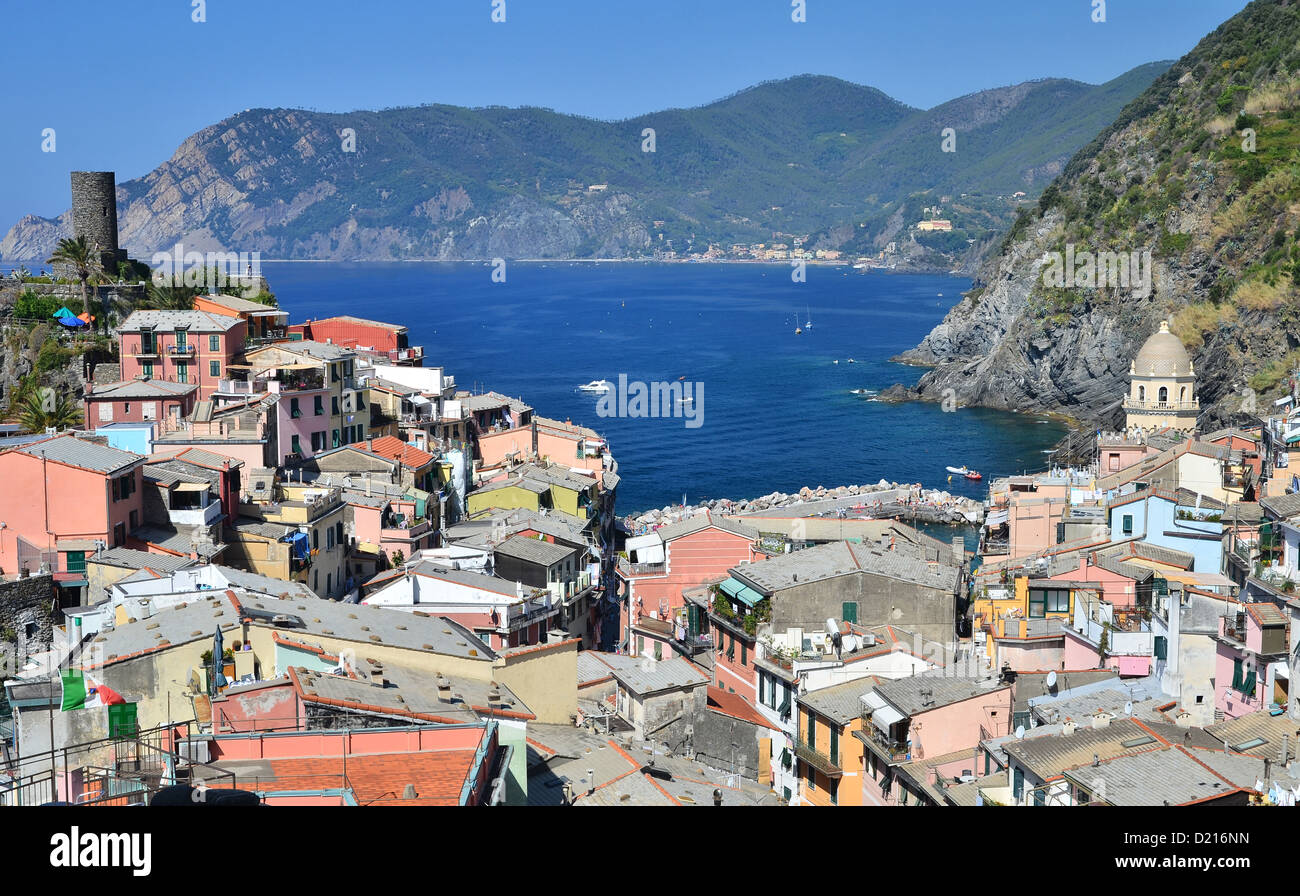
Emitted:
pixel 882 500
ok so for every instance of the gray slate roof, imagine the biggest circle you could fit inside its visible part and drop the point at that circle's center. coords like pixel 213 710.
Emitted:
pixel 81 453
pixel 534 550
pixel 842 558
pixel 923 693
pixel 1282 507
pixel 1172 776
pixel 702 521
pixel 841 703
pixel 195 321
pixel 129 558
pixel 652 676
pixel 144 390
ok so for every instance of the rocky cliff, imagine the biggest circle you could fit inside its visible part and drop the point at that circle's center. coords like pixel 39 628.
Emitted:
pixel 1201 172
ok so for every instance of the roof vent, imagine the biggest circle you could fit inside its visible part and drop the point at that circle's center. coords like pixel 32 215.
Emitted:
pixel 444 689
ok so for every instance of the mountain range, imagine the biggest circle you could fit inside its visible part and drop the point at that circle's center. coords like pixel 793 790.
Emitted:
pixel 814 157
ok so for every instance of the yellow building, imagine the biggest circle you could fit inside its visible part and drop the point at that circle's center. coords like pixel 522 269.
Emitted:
pixel 1162 390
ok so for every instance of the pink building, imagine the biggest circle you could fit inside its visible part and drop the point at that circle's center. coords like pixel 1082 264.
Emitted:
pixel 914 719
pixel 1118 583
pixel 679 556
pixel 62 495
pixel 135 401
pixel 1250 663
pixel 188 347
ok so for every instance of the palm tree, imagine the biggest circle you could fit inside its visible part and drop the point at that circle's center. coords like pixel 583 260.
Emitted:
pixel 35 418
pixel 168 298
pixel 84 261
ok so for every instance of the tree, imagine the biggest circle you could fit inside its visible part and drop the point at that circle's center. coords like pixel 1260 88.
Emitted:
pixel 84 262
pixel 168 298
pixel 34 417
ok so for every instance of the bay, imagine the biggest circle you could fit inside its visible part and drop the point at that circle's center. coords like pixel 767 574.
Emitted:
pixel 776 412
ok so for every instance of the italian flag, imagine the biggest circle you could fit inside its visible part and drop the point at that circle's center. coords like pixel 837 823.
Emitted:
pixel 80 691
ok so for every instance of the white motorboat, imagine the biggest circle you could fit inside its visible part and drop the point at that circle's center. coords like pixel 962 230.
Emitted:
pixel 597 386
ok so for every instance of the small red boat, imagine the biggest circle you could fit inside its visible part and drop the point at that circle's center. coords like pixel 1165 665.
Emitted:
pixel 973 476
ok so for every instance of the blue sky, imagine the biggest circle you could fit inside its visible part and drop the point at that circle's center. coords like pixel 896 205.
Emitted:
pixel 122 83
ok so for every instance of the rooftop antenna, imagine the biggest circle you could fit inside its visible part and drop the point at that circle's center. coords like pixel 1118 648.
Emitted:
pixel 1020 732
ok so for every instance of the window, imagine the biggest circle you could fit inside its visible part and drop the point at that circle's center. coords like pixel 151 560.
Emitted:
pixel 214 343
pixel 214 368
pixel 334 376
pixel 146 369
pixel 181 337
pixel 640 645
pixel 320 405
pixel 1128 524
pixel 126 407
pixel 1114 462
pixel 835 745
pixel 812 731
pixel 835 792
pixel 149 410
pixel 1142 393
pixel 338 533
pixel 135 520
pixel 182 372
pixel 762 689
pixel 315 539
pixel 659 650
pixel 329 582
pixel 119 534
pixel 105 411
pixel 744 654
pixel 334 405
pixel 812 779
pixel 849 611
pixel 329 539
pixel 296 448
pixel 336 438
pixel 1164 394
pixel 294 411
pixel 76 561
pixel 117 490
pixel 318 441
pixel 1162 647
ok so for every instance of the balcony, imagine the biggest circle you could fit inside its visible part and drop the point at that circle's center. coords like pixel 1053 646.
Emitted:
pixel 1159 407
pixel 241 387
pixel 896 751
pixel 529 611
pixel 817 759
pixel 142 350
pixel 181 351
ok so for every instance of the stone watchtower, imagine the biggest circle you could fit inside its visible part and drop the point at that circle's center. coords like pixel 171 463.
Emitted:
pixel 1162 390
pixel 94 214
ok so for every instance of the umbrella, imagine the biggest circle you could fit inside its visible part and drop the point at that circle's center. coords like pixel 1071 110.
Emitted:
pixel 64 312
pixel 71 322
pixel 218 680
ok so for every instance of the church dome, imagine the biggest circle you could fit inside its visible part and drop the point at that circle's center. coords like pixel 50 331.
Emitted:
pixel 1163 355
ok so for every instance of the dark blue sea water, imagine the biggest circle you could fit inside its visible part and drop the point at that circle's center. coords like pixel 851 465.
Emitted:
pixel 778 414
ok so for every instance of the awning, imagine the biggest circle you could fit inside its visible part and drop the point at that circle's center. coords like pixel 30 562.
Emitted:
pixel 885 716
pixel 420 400
pixel 996 518
pixel 1134 665
pixel 193 486
pixel 653 553
pixel 1279 670
pixel 642 541
pixel 75 544
pixel 873 701
pixel 741 592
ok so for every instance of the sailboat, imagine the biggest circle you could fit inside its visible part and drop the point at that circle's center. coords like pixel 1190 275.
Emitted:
pixel 808 326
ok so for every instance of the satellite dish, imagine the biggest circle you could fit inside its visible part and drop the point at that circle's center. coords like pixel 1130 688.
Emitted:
pixel 1128 708
pixel 1020 732
pixel 1051 679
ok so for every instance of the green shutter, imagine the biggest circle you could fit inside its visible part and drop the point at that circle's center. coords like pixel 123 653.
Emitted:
pixel 121 720
pixel 849 611
pixel 1237 677
pixel 1162 647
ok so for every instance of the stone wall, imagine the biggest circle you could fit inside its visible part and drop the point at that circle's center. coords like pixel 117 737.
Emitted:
pixel 714 735
pixel 27 617
pixel 881 601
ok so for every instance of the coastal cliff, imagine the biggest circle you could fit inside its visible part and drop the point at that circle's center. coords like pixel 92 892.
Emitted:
pixel 1199 175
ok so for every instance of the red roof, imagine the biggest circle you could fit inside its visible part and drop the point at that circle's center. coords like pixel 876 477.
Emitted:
pixel 394 448
pixel 735 706
pixel 380 779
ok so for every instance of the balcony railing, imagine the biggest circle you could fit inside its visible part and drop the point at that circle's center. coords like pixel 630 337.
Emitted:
pixel 817 759
pixel 897 751
pixel 186 351
pixel 1157 406
pixel 144 351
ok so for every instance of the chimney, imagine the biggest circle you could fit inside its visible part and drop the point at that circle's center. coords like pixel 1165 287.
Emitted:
pixel 717 796
pixel 408 792
pixel 958 551
pixel 494 696
pixel 444 689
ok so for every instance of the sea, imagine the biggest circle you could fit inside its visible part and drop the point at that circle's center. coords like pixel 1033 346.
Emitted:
pixel 773 410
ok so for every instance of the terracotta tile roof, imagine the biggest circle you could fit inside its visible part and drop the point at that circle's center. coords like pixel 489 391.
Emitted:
pixel 393 448
pixel 377 779
pixel 735 706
